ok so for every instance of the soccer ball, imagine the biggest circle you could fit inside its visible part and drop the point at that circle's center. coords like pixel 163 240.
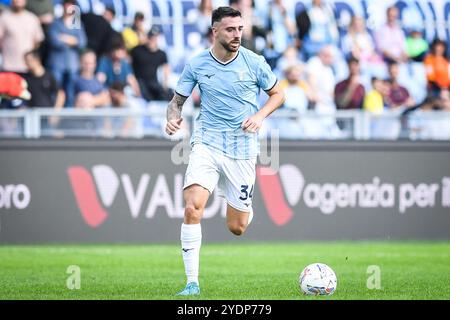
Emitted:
pixel 318 279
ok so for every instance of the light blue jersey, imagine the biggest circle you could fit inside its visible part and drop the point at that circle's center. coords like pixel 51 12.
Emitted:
pixel 229 94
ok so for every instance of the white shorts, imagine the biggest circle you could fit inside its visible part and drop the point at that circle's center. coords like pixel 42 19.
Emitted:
pixel 235 178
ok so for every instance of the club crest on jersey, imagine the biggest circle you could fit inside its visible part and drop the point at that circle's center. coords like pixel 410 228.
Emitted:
pixel 241 74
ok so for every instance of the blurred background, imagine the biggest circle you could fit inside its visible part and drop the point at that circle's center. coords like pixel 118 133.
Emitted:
pixel 350 69
pixel 364 131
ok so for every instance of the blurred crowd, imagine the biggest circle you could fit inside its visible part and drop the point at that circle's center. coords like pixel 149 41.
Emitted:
pixel 79 60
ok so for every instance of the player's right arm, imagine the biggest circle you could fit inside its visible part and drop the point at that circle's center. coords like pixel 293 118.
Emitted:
pixel 174 109
pixel 185 85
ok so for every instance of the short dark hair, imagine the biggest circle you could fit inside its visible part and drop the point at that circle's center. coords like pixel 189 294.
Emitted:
pixel 390 8
pixel 392 63
pixel 118 86
pixel 72 2
pixel 117 45
pixel 153 32
pixel 352 59
pixel 139 16
pixel 87 51
pixel 111 9
pixel 222 12
pixel 373 79
pixel 437 42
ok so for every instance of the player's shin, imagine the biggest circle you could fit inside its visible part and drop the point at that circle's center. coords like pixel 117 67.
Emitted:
pixel 191 238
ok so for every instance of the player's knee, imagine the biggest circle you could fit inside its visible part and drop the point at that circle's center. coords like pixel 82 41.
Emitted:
pixel 237 229
pixel 193 213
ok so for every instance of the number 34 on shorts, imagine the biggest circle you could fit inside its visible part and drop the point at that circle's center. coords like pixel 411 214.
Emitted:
pixel 246 194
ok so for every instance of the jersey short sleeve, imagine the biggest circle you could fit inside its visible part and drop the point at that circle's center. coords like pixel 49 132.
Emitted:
pixel 266 78
pixel 187 82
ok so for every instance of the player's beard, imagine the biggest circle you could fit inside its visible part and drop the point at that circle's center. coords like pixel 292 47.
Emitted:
pixel 228 46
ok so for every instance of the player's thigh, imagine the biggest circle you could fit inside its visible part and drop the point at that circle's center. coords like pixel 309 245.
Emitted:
pixel 238 183
pixel 201 177
pixel 202 168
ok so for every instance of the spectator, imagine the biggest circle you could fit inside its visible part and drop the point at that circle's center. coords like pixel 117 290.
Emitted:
pixel 41 84
pixel 208 39
pixel 65 42
pixel 321 79
pixel 203 21
pixel 20 32
pixel 349 93
pixel 390 38
pixel 290 57
pixel 358 43
pixel 147 59
pixel 424 126
pixel 297 91
pixel 115 68
pixel 296 104
pixel 43 88
pixel 89 92
pixel 135 35
pixel 117 94
pixel 43 9
pixel 398 95
pixel 413 75
pixel 437 68
pixel 270 54
pixel 254 32
pixel 109 14
pixel 445 104
pixel 316 27
pixel 282 25
pixel 115 37
pixel 416 46
pixel 121 126
pixel 100 34
pixel 374 99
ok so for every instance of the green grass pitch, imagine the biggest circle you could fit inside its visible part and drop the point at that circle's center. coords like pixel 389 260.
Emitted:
pixel 409 270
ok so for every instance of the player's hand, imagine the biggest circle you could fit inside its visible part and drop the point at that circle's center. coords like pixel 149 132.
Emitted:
pixel 252 124
pixel 71 41
pixel 173 126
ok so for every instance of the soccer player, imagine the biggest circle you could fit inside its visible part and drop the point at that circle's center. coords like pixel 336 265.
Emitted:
pixel 224 141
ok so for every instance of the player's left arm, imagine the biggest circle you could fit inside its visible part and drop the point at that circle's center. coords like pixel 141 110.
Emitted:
pixel 276 100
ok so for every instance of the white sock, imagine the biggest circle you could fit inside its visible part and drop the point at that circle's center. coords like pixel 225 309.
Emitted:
pixel 191 240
